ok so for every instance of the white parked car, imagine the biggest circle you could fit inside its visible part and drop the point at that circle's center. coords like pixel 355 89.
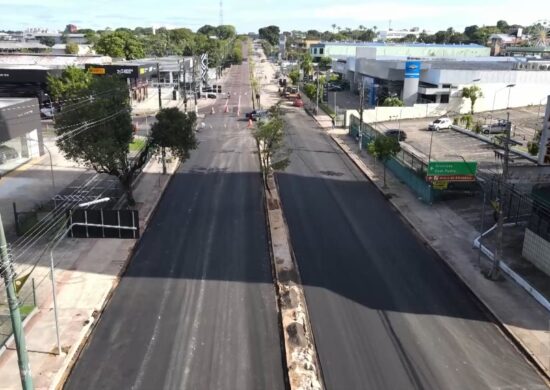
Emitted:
pixel 439 124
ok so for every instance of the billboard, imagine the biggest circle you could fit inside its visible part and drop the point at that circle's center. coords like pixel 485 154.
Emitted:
pixel 412 69
pixel 544 146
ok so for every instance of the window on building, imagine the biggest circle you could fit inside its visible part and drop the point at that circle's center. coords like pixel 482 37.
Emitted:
pixel 446 86
pixel 444 98
pixel 321 51
pixel 314 50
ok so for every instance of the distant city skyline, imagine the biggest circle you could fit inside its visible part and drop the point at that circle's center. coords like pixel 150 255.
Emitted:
pixel 248 15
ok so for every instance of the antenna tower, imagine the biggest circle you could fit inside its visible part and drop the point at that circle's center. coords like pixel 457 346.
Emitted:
pixel 221 12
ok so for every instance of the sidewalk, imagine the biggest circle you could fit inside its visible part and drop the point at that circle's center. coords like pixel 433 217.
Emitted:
pixel 87 271
pixel 451 237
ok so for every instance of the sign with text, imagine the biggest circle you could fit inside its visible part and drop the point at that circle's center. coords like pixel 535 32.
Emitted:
pixel 449 178
pixel 445 168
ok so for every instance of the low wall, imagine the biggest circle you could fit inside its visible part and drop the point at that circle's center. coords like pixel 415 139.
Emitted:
pixel 537 250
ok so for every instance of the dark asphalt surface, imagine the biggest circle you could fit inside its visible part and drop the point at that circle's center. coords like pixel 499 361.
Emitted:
pixel 386 313
pixel 196 308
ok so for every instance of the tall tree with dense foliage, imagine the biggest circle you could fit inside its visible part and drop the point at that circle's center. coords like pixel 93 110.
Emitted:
pixel 71 48
pixel 69 85
pixel 48 41
pixel 174 130
pixel 97 134
pixel 270 34
pixel 120 44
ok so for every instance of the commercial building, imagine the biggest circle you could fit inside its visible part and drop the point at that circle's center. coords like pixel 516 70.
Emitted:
pixel 136 73
pixel 20 132
pixel 344 50
pixel 413 74
pixel 27 75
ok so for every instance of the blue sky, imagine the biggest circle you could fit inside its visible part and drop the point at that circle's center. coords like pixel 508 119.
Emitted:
pixel 249 15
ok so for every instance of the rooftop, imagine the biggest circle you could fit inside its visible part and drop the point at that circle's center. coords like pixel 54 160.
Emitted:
pixel 50 60
pixel 6 45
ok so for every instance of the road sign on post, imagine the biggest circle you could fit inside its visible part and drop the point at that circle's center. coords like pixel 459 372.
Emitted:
pixel 451 171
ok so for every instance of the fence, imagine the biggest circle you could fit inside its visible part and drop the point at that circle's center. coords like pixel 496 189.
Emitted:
pixel 409 168
pixel 119 222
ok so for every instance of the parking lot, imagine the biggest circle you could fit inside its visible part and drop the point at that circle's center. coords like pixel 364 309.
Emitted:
pixel 450 145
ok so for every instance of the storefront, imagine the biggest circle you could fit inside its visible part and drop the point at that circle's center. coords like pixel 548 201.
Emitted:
pixel 136 74
pixel 25 81
pixel 20 132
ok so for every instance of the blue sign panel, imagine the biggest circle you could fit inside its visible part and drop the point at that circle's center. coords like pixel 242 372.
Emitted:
pixel 412 69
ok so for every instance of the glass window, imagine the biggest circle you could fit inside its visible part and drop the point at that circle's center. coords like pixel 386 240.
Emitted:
pixel 321 50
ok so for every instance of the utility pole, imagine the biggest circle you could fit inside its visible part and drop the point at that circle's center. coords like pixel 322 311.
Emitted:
pixel 317 94
pixel 361 106
pixel 494 273
pixel 195 81
pixel 159 89
pixel 15 315
pixel 184 88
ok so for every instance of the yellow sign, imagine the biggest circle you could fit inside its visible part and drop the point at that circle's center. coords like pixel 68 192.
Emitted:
pixel 440 185
pixel 94 70
pixel 141 70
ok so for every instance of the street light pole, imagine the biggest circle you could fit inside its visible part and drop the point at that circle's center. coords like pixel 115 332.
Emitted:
pixel 15 314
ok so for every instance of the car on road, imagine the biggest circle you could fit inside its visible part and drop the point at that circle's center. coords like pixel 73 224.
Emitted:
pixel 257 114
pixel 440 124
pixel 397 134
pixel 298 102
pixel 7 153
pixel 47 113
pixel 211 95
pixel 495 128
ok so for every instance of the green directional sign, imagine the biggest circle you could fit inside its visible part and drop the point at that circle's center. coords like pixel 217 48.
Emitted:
pixel 447 168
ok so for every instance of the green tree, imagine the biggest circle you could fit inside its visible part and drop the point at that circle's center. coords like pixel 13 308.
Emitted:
pixel 120 44
pixel 48 41
pixel 325 63
pixel 310 90
pixel 226 32
pixel 71 48
pixel 503 26
pixel 294 76
pixel 174 130
pixel 367 35
pixel 237 55
pixel 70 85
pixel 270 34
pixel 269 136
pixel 97 134
pixel 307 64
pixel 467 120
pixel 408 38
pixel 207 30
pixel 392 102
pixel 383 148
pixel 473 93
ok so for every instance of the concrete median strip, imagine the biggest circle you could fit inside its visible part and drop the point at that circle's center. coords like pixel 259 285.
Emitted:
pixel 300 352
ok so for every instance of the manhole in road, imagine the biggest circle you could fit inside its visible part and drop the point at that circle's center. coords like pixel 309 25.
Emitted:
pixel 330 173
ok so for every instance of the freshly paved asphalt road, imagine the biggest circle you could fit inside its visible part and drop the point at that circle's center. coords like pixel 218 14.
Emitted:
pixel 196 308
pixel 386 314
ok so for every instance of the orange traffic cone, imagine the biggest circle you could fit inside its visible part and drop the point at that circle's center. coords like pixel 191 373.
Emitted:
pixel 250 125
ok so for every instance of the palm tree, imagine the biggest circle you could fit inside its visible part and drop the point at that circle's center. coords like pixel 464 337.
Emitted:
pixel 472 93
pixel 361 27
pixel 333 27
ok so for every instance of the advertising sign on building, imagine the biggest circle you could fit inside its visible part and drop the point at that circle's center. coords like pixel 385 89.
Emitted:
pixel 544 146
pixel 412 69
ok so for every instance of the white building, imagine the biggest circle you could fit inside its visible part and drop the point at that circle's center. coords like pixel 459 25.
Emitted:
pixel 504 81
pixel 388 35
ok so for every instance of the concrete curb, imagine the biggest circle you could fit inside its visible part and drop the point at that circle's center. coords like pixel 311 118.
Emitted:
pixel 84 335
pixel 302 362
pixel 507 330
